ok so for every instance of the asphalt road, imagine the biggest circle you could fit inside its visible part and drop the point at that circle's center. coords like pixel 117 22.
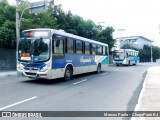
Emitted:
pixel 116 89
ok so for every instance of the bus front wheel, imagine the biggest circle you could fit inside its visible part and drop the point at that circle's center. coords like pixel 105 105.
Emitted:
pixel 68 73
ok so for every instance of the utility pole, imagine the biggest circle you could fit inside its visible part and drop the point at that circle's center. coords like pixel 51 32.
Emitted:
pixel 17 27
pixel 35 7
pixel 17 22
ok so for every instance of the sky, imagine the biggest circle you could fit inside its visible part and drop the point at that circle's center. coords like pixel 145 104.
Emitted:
pixel 137 17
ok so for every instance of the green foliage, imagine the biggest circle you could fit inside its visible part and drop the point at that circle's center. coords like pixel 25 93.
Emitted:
pixel 54 17
pixel 7 25
pixel 128 46
pixel 106 36
pixel 7 35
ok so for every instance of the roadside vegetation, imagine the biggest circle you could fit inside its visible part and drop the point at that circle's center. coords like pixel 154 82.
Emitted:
pixel 56 18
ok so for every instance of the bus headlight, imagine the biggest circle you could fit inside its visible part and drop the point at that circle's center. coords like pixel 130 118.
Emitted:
pixel 44 68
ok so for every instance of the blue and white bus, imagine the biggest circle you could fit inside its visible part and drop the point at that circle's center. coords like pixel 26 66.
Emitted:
pixel 125 57
pixel 51 54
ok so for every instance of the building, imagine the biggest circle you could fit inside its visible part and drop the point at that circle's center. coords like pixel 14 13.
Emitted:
pixel 136 41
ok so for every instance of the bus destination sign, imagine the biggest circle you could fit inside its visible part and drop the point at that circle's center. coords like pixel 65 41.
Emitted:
pixel 39 33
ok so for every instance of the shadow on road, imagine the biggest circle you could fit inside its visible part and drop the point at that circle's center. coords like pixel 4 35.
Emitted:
pixel 60 80
pixel 134 99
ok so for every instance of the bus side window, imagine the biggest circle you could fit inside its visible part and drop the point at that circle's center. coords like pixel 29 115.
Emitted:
pixel 93 49
pixel 99 50
pixel 69 45
pixel 87 48
pixel 79 47
pixel 58 47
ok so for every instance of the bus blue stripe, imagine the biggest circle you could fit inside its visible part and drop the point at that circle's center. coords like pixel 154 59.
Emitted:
pixel 76 60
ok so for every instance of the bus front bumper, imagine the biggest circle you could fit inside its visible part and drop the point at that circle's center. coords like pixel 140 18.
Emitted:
pixel 33 74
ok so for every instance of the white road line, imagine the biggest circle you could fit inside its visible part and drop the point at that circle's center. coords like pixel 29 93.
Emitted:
pixel 116 69
pixel 7 73
pixel 18 103
pixel 80 81
pixel 103 73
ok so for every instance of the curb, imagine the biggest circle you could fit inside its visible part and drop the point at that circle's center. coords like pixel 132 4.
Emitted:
pixel 140 97
pixel 11 73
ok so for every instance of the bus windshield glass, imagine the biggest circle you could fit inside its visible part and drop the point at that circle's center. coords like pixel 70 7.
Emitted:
pixel 119 56
pixel 34 50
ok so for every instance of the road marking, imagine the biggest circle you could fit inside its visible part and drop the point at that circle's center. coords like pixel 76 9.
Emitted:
pixel 18 103
pixel 116 69
pixel 80 81
pixel 8 73
pixel 103 73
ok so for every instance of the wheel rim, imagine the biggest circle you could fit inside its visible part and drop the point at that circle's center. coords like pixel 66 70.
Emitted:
pixel 68 73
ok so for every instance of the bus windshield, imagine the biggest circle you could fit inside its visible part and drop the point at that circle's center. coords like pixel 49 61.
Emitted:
pixel 119 56
pixel 34 50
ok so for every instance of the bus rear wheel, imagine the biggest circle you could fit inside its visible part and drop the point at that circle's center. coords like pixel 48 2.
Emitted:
pixel 98 68
pixel 68 73
pixel 135 63
pixel 129 63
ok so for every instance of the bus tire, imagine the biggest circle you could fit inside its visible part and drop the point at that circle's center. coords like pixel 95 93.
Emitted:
pixel 68 73
pixel 129 63
pixel 99 68
pixel 135 63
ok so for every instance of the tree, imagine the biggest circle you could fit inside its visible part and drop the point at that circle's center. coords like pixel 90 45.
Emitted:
pixel 156 52
pixel 59 16
pixel 90 29
pixel 7 25
pixel 128 46
pixel 106 36
pixel 41 20
pixel 54 17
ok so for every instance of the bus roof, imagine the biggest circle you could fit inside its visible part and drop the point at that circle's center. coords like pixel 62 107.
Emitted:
pixel 129 50
pixel 63 33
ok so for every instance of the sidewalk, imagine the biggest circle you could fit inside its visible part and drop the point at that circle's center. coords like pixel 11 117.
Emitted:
pixel 4 73
pixel 149 99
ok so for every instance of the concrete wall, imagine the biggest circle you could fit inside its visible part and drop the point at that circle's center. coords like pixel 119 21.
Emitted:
pixel 7 59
